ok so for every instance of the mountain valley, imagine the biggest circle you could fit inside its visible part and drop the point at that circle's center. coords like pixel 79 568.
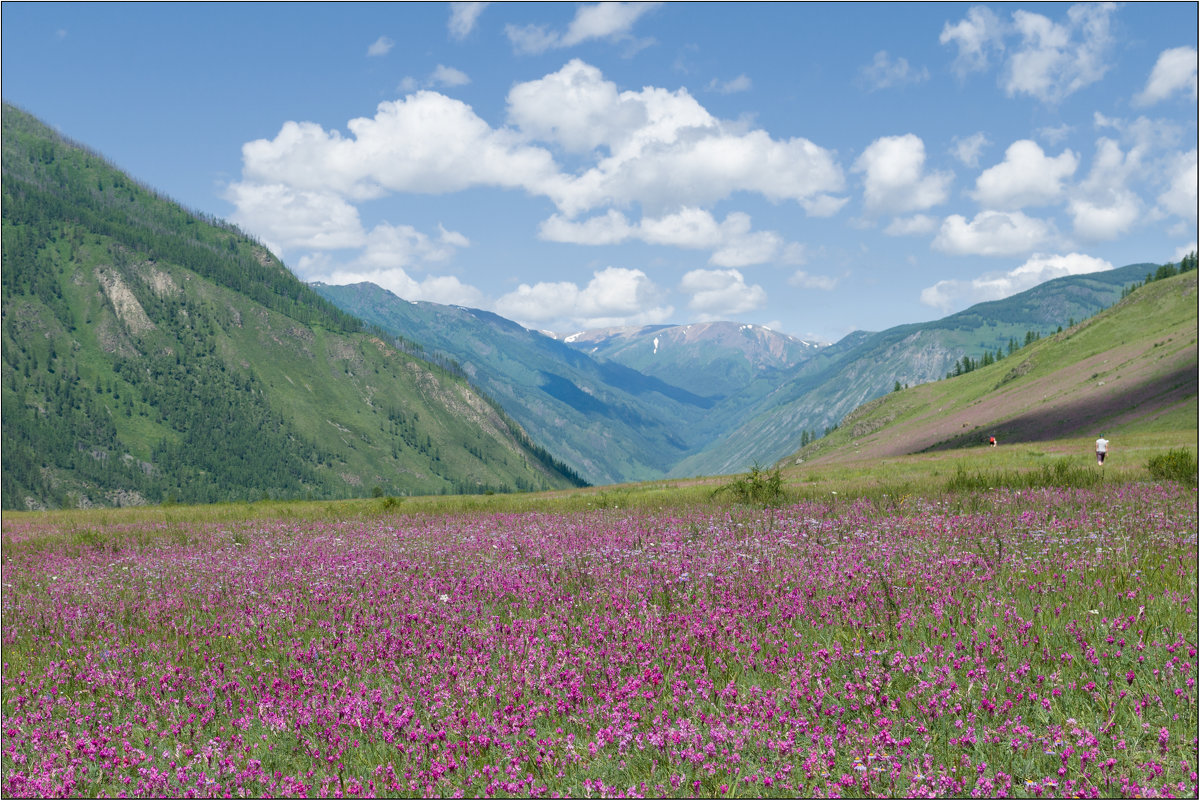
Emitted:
pixel 152 355
pixel 648 402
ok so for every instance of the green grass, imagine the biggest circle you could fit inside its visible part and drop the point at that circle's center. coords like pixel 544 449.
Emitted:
pixel 1060 473
pixel 1177 464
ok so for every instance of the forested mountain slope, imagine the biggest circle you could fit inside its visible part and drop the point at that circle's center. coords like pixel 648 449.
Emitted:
pixel 150 354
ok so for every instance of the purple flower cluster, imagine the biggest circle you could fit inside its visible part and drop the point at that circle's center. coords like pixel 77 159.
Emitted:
pixel 1043 645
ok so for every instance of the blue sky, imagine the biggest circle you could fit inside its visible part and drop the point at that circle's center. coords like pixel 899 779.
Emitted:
pixel 817 168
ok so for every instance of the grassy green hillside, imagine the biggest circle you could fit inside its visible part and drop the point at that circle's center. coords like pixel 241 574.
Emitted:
pixel 1130 371
pixel 152 355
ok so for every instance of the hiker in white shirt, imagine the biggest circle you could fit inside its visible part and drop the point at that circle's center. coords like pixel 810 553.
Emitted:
pixel 1101 449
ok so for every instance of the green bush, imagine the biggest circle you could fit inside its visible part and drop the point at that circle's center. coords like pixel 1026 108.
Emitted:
pixel 1177 464
pixel 759 487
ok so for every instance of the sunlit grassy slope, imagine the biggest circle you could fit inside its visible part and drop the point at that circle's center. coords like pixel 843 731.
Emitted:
pixel 1130 373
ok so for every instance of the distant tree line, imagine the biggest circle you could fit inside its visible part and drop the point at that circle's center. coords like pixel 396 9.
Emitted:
pixel 808 437
pixel 967 364
pixel 1168 270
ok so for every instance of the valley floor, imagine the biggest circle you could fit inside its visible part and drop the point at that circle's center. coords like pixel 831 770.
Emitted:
pixel 1026 643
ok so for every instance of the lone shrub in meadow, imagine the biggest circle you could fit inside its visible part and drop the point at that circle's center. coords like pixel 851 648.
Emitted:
pixel 390 503
pixel 759 487
pixel 1177 464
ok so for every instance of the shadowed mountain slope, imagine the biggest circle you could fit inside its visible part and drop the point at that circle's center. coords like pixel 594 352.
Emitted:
pixel 611 423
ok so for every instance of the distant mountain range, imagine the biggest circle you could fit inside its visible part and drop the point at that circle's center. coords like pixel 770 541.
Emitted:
pixel 862 366
pixel 713 359
pixel 609 422
pixel 637 403
pixel 150 354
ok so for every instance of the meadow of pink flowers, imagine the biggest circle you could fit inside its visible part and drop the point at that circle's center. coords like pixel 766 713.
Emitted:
pixel 1040 643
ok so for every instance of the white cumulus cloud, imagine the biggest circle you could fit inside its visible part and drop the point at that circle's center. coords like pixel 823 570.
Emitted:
pixel 716 294
pixel 424 143
pixel 1026 177
pixel 612 21
pixel 884 72
pixel 380 46
pixel 1044 59
pixel 1055 60
pixel 442 76
pixel 1179 198
pixel 286 218
pixel 733 242
pixel 1053 134
pixel 664 149
pixel 955 294
pixel 1108 219
pixel 916 225
pixel 402 245
pixel 614 296
pixel 604 21
pixel 577 109
pixel 992 233
pixel 463 17
pixel 1174 72
pixel 655 148
pixel 610 228
pixel 445 289
pixel 448 76
pixel 968 149
pixel 894 177
pixel 745 249
pixel 1103 206
pixel 739 84
pixel 977 37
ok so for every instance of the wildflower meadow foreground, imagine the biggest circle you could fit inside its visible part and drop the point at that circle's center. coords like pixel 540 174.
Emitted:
pixel 1034 643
